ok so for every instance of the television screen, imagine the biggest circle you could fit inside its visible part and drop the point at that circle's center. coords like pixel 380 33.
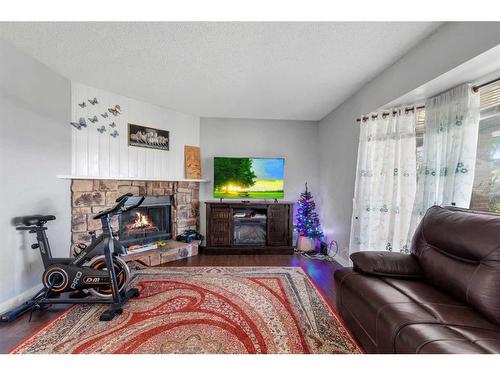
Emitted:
pixel 259 178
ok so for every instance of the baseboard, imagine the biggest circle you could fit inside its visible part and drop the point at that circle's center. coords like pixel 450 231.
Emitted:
pixel 17 300
pixel 342 261
pixel 246 250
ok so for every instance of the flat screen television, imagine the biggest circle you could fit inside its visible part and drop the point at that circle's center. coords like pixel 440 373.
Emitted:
pixel 253 178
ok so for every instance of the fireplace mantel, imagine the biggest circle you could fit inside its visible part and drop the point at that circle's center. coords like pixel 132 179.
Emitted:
pixel 72 177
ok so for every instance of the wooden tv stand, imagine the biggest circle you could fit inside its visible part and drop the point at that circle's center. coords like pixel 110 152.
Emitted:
pixel 275 221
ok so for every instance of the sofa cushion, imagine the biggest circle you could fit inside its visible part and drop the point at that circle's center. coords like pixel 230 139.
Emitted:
pixel 444 308
pixel 380 309
pixel 384 263
pixel 459 252
pixel 442 338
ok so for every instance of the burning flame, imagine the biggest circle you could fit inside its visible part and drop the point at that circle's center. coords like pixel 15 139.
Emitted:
pixel 142 221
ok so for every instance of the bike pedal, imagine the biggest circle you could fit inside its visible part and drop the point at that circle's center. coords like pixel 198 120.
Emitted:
pixel 133 293
pixel 31 314
pixel 106 316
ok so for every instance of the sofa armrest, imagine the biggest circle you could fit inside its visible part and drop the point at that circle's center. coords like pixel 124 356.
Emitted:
pixel 383 263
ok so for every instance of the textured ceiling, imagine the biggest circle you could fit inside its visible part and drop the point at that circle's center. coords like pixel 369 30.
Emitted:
pixel 277 70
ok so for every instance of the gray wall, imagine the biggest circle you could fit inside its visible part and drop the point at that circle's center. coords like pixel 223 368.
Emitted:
pixel 35 145
pixel 296 141
pixel 450 46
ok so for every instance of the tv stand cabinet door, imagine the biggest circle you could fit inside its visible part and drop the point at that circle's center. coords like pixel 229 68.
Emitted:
pixel 220 226
pixel 278 228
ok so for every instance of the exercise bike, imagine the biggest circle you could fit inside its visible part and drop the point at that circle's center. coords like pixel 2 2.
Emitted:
pixel 97 270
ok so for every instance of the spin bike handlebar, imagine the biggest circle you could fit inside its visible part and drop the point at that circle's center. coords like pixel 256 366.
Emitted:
pixel 120 206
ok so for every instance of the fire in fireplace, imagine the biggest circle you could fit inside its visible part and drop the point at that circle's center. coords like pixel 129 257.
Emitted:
pixel 142 223
pixel 148 223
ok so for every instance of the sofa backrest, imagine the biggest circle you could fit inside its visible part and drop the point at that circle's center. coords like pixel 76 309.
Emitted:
pixel 459 252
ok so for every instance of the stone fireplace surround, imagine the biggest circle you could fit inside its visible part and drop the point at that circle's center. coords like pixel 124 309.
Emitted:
pixel 89 196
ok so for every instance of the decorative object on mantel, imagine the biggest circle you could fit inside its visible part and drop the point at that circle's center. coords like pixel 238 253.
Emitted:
pixel 192 162
pixel 307 223
pixel 80 124
pixel 112 124
pixel 104 115
pixel 93 101
pixel 115 111
pixel 141 136
pixel 114 134
pixel 102 129
pixel 93 120
pixel 82 104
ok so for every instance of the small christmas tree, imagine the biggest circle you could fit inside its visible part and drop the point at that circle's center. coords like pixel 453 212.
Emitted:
pixel 307 218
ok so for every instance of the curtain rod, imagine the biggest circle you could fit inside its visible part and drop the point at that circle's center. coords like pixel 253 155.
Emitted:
pixel 478 87
pixel 385 114
pixel 475 88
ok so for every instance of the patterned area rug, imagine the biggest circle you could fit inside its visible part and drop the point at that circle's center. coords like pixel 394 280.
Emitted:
pixel 204 310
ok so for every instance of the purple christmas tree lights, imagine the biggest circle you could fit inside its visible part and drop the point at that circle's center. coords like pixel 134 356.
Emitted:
pixel 307 219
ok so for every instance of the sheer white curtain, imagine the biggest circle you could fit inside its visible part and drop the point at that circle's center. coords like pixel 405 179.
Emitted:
pixel 385 184
pixel 449 154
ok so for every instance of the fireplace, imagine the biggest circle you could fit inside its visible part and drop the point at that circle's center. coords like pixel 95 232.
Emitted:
pixel 149 223
pixel 250 226
pixel 91 196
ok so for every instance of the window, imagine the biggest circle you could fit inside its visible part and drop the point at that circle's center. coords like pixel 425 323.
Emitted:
pixel 486 189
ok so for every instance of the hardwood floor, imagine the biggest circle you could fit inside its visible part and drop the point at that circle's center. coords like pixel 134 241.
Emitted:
pixel 321 271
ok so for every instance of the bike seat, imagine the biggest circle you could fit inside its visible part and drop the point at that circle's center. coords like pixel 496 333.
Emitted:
pixel 36 219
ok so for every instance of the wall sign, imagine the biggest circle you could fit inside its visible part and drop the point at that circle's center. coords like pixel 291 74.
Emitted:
pixel 141 136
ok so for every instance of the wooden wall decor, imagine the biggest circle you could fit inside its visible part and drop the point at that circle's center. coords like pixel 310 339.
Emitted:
pixel 192 162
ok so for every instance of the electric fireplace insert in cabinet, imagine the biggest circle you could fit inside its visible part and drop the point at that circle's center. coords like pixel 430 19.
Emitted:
pixel 254 228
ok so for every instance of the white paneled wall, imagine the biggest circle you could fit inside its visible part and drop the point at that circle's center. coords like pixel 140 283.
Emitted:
pixel 102 156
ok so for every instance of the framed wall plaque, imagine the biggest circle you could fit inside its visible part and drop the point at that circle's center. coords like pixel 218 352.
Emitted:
pixel 142 136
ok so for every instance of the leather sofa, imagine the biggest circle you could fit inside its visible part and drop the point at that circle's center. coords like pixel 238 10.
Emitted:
pixel 443 297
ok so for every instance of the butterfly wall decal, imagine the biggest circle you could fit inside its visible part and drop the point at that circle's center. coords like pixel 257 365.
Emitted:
pixel 93 101
pixel 115 111
pixel 114 134
pixel 104 115
pixel 102 129
pixel 93 120
pixel 82 104
pixel 112 124
pixel 80 124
